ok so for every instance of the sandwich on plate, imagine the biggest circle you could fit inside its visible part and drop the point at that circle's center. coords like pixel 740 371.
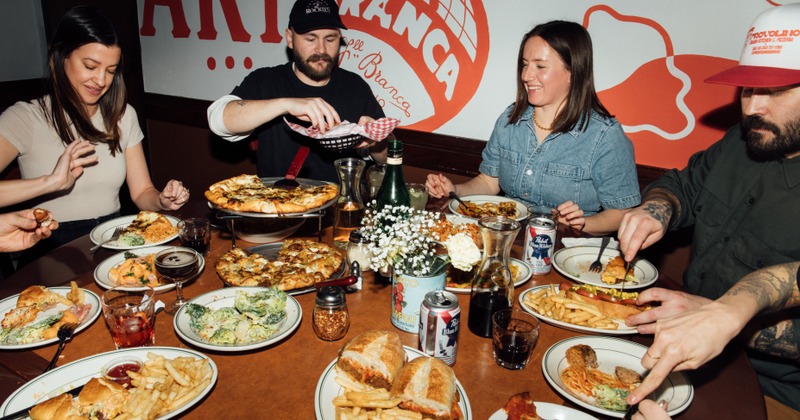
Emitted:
pixel 372 359
pixel 427 386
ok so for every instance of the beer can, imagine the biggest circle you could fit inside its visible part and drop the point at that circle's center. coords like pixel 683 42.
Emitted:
pixel 439 322
pixel 540 240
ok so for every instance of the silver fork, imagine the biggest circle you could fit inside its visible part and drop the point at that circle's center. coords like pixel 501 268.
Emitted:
pixel 114 237
pixel 65 332
pixel 597 266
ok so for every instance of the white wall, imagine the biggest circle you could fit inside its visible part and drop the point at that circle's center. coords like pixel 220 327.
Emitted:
pixel 23 44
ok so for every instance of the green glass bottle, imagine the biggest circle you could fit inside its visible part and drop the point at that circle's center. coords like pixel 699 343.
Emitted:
pixel 393 191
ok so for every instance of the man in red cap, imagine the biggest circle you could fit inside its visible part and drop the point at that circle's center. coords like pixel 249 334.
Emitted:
pixel 741 196
pixel 310 88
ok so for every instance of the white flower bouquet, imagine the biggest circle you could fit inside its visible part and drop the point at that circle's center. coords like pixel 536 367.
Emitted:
pixel 400 237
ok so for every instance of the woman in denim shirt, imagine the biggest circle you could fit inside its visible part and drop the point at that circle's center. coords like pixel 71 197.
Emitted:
pixel 557 147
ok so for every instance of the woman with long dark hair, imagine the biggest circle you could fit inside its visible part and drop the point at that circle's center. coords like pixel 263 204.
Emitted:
pixel 556 148
pixel 79 143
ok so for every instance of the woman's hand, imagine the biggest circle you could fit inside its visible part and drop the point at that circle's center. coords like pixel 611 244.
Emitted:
pixel 570 214
pixel 439 185
pixel 19 230
pixel 71 163
pixel 173 196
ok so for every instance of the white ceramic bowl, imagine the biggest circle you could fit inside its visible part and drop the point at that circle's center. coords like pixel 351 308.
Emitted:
pixel 266 230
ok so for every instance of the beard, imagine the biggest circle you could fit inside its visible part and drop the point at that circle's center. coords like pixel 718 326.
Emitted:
pixel 305 67
pixel 782 141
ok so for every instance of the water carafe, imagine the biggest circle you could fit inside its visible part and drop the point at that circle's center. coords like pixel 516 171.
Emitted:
pixel 493 285
pixel 349 207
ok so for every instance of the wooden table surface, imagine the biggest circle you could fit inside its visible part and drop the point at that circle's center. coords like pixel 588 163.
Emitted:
pixel 279 381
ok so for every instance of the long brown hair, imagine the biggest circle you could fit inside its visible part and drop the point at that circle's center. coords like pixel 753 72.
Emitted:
pixel 66 113
pixel 573 44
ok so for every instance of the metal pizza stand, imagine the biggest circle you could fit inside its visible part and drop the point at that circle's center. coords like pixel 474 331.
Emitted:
pixel 230 216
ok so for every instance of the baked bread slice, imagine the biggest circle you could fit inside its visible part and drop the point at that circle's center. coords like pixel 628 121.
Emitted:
pixel 60 407
pixel 372 358
pixel 427 386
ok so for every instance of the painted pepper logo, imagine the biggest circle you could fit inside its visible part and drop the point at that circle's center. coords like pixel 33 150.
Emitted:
pixel 444 46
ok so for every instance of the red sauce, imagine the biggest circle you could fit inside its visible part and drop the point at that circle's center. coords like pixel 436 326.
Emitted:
pixel 119 373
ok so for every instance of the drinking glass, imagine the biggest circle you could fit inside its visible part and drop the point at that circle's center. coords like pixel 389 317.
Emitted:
pixel 514 335
pixel 130 316
pixel 195 233
pixel 375 175
pixel 177 264
pixel 418 194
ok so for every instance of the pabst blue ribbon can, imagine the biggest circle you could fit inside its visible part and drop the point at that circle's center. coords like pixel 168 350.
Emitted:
pixel 439 322
pixel 540 239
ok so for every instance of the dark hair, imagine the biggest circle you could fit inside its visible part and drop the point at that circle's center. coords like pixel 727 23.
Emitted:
pixel 572 43
pixel 80 26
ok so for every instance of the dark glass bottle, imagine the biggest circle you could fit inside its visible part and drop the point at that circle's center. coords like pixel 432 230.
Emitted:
pixel 393 191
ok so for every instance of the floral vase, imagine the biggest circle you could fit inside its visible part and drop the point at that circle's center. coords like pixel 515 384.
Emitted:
pixel 408 292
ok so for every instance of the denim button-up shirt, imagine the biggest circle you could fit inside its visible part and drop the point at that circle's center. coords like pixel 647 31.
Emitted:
pixel 594 168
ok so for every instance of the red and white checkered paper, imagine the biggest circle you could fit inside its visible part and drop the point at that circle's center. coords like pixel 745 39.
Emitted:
pixel 376 130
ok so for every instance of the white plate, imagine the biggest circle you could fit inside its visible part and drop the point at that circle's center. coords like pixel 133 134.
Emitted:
pixel 550 412
pixel 622 330
pixel 224 297
pixel 77 373
pixel 612 352
pixel 523 275
pixel 90 298
pixel 101 271
pixel 522 210
pixel 105 230
pixel 574 263
pixel 327 389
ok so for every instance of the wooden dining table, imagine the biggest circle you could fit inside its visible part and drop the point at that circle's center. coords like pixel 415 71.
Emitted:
pixel 279 381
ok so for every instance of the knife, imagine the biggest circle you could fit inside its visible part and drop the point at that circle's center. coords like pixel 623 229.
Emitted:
pixel 21 414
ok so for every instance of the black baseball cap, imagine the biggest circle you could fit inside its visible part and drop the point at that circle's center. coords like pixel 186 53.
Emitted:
pixel 308 15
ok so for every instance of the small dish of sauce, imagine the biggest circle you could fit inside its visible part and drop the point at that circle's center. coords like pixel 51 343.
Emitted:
pixel 117 370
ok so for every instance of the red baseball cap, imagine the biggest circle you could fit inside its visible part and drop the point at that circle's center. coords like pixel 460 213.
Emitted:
pixel 771 55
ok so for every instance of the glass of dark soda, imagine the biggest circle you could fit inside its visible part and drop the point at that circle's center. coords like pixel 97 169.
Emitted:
pixel 514 335
pixel 195 233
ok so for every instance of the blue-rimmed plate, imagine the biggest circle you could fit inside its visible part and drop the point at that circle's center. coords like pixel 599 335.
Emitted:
pixel 548 411
pixel 327 389
pixel 103 280
pixel 676 389
pixel 574 262
pixel 522 210
pixel 622 329
pixel 77 373
pixel 223 298
pixel 104 231
pixel 90 298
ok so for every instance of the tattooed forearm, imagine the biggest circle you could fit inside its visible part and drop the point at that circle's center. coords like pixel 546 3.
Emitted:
pixel 661 204
pixel 778 340
pixel 241 102
pixel 774 288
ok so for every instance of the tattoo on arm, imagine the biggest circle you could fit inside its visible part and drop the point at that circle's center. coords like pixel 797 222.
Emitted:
pixel 661 204
pixel 774 288
pixel 241 102
pixel 778 340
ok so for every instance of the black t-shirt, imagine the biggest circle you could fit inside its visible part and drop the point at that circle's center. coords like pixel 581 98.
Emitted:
pixel 349 95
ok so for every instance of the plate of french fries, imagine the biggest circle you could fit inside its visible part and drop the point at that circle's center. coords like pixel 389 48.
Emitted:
pixel 552 305
pixel 170 381
pixel 362 404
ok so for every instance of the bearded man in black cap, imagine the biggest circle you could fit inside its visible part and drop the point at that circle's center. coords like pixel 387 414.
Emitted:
pixel 309 89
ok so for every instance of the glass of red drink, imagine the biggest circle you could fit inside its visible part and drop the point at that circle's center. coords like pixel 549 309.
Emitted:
pixel 195 233
pixel 130 316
